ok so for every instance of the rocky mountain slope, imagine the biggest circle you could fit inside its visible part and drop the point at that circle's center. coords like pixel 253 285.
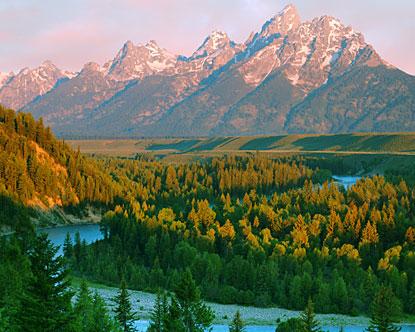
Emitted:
pixel 291 76
pixel 18 90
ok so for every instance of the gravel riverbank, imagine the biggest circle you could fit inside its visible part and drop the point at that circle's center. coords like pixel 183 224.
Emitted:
pixel 143 303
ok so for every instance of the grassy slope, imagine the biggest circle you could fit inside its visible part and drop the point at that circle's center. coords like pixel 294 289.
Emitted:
pixel 403 143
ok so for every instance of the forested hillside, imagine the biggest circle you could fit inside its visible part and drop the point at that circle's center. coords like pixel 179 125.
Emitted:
pixel 257 231
pixel 37 170
pixel 253 230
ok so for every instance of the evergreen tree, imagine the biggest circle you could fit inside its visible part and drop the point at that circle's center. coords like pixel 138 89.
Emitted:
pixel 77 247
pixel 91 314
pixel 174 321
pixel 195 315
pixel 237 324
pixel 46 302
pixel 290 325
pixel 67 246
pixel 310 324
pixel 83 308
pixel 100 316
pixel 385 309
pixel 159 314
pixel 123 311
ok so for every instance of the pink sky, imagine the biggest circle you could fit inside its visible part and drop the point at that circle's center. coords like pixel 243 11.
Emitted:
pixel 71 33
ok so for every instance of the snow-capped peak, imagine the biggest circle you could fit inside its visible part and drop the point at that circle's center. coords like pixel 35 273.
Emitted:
pixel 282 23
pixel 47 64
pixel 29 83
pixel 218 37
pixel 91 67
pixel 289 10
pixel 152 46
pixel 46 71
pixel 215 41
pixel 137 61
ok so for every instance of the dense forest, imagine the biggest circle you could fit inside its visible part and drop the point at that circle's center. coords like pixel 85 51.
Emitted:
pixel 257 232
pixel 251 230
pixel 39 171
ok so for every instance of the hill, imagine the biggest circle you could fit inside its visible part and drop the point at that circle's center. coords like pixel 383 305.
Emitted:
pixel 38 171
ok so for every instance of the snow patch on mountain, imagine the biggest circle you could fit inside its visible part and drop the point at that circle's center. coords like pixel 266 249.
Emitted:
pixel 137 62
pixel 5 77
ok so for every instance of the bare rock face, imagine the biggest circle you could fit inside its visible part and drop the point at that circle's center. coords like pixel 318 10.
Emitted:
pixel 137 62
pixel 5 78
pixel 74 98
pixel 273 83
pixel 214 53
pixel 308 53
pixel 18 90
pixel 282 23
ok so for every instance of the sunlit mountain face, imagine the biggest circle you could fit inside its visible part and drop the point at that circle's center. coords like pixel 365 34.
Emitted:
pixel 292 76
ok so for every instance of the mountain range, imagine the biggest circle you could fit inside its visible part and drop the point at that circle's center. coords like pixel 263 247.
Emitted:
pixel 292 76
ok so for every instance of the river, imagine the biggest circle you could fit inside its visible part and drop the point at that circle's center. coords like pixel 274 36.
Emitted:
pixel 142 326
pixel 345 181
pixel 91 233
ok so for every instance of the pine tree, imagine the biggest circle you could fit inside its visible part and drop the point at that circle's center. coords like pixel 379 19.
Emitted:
pixel 83 308
pixel 100 316
pixel 195 315
pixel 174 321
pixel 68 247
pixel 290 325
pixel 77 247
pixel 159 314
pixel 310 324
pixel 91 314
pixel 46 302
pixel 237 324
pixel 123 311
pixel 385 308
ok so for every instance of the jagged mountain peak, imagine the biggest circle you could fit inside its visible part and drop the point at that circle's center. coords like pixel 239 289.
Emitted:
pixel 218 35
pixel 91 67
pixel 217 40
pixel 223 87
pixel 129 47
pixel 282 23
pixel 152 44
pixel 138 61
pixel 47 64
pixel 46 68
pixel 290 11
pixel 330 24
pixel 29 83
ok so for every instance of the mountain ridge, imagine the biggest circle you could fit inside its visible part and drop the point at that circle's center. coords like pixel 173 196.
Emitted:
pixel 262 86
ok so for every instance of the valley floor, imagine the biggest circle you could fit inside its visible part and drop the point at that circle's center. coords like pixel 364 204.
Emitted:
pixel 143 303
